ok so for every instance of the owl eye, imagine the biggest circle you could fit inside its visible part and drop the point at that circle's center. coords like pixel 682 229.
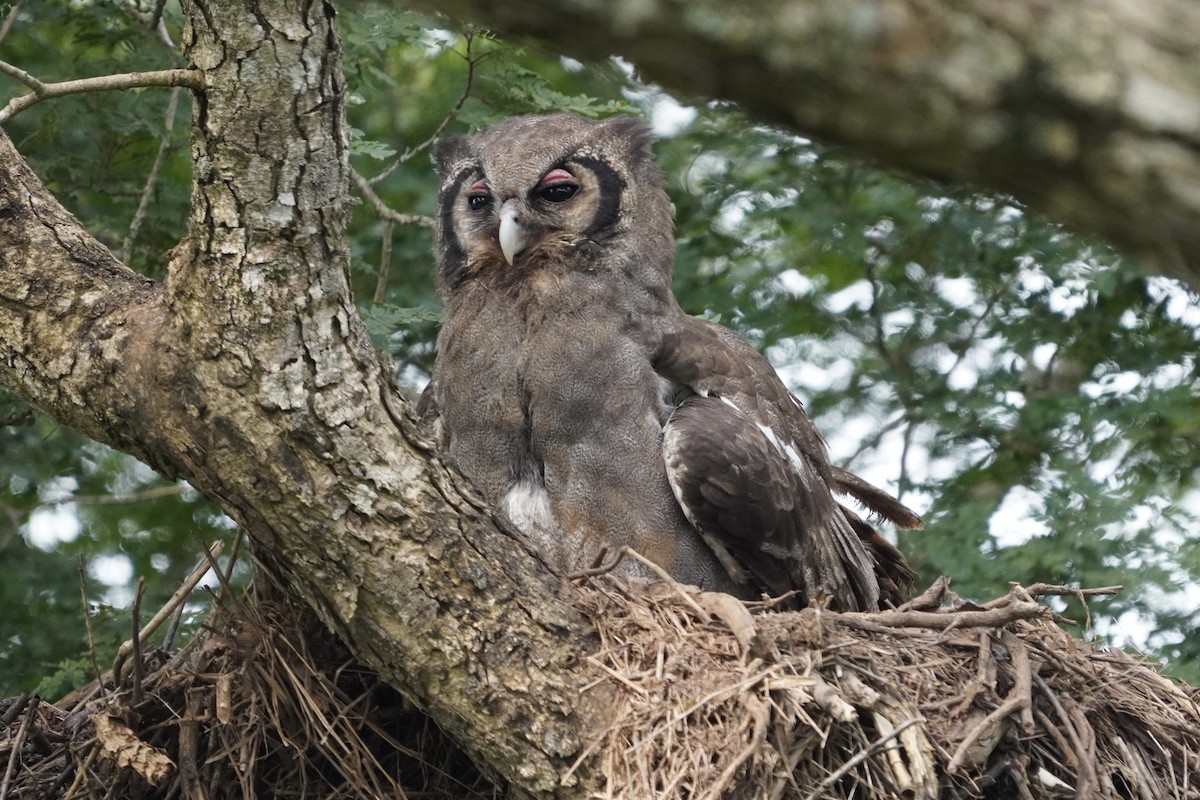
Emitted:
pixel 479 196
pixel 557 186
pixel 558 193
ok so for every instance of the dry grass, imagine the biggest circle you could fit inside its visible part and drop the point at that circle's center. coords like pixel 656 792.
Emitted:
pixel 712 700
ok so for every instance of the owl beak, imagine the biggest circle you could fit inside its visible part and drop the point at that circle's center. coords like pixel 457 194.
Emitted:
pixel 512 236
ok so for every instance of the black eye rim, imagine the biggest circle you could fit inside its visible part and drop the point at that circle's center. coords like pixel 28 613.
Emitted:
pixel 479 201
pixel 558 192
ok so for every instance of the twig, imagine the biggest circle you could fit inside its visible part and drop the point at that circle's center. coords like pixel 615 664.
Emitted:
pixel 598 566
pixel 761 715
pixel 943 620
pixel 930 598
pixel 860 757
pixel 385 262
pixel 663 576
pixel 1055 589
pixel 451 115
pixel 134 616
pixel 164 147
pixel 381 208
pixel 1084 772
pixel 187 78
pixel 87 621
pixel 157 14
pixel 15 753
pixel 1023 679
pixel 176 599
pixel 14 710
pixel 985 725
pixel 130 497
pixel 10 19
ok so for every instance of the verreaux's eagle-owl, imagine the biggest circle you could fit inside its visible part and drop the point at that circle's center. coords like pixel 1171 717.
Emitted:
pixel 577 396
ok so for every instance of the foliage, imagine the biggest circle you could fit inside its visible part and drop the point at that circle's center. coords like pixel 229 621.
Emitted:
pixel 1031 393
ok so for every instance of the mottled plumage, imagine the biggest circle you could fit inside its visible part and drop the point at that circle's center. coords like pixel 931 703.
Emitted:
pixel 576 395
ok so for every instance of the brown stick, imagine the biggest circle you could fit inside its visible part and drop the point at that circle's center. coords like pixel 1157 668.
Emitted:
pixel 1012 611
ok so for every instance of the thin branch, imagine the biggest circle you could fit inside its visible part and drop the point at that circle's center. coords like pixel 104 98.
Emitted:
pixel 153 21
pixel 451 115
pixel 87 622
pixel 903 481
pixel 177 599
pixel 17 745
pixel 187 78
pixel 134 618
pixel 861 756
pixel 156 16
pixel 6 26
pixel 872 441
pixel 130 497
pixel 383 209
pixel 164 147
pixel 942 620
pixel 385 262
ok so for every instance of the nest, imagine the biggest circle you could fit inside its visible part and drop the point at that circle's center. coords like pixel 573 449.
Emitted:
pixel 711 698
pixel 938 699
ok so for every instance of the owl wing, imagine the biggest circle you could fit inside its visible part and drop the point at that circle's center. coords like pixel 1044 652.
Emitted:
pixel 751 473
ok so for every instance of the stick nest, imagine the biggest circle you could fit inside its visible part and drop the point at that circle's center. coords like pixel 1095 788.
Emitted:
pixel 710 698
pixel 939 699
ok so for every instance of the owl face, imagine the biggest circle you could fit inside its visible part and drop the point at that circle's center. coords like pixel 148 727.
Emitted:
pixel 555 191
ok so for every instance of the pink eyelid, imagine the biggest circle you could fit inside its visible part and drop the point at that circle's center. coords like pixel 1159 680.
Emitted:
pixel 556 176
pixel 479 187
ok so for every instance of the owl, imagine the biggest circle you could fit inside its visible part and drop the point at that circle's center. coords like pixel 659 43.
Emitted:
pixel 573 391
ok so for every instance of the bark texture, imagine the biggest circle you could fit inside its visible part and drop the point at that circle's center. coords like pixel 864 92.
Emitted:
pixel 248 373
pixel 1089 112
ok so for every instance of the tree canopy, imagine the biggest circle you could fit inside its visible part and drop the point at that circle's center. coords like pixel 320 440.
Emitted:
pixel 1031 391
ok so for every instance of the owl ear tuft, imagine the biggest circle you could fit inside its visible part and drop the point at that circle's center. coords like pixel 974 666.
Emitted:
pixel 635 130
pixel 449 151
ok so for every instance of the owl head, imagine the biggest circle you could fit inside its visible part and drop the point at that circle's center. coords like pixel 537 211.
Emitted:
pixel 558 192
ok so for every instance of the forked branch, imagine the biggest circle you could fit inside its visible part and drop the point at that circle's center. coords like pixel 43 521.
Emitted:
pixel 187 78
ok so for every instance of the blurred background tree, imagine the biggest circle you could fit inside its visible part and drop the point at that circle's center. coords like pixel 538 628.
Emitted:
pixel 1032 394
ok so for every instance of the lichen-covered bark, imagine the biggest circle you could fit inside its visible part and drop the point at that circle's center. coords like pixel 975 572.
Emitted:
pixel 248 373
pixel 1090 112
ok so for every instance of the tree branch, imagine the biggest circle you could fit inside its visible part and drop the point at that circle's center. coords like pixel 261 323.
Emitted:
pixel 385 211
pixel 187 78
pixel 1088 112
pixel 160 158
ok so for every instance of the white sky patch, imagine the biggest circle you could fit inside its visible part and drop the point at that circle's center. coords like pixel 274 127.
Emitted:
pixel 570 64
pixel 897 322
pixel 795 284
pixel 1068 298
pixel 1013 522
pixel 1042 355
pixel 111 570
pixel 437 39
pixel 1170 375
pixel 668 117
pixel 1182 305
pixel 57 489
pixel 856 295
pixel 1115 384
pixel 51 526
pixel 958 292
pixel 811 377
pixel 703 168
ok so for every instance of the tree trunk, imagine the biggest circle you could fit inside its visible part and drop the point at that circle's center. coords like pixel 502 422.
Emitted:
pixel 1089 112
pixel 248 373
